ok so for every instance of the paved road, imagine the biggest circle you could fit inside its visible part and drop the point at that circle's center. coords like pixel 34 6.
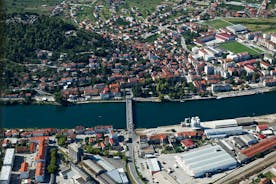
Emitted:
pixel 132 136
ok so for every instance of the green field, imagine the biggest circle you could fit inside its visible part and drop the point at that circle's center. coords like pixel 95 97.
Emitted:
pixel 217 23
pixel 237 47
pixel 256 24
pixel 34 6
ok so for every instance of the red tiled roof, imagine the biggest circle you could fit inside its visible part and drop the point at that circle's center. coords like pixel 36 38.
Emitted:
pixel 262 127
pixel 24 167
pixel 260 147
pixel 187 143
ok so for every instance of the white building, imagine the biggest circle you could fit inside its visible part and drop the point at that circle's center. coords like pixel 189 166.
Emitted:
pixel 207 159
pixel 5 174
pixel 75 152
pixel 153 165
pixel 223 132
pixel 220 123
pixel 9 157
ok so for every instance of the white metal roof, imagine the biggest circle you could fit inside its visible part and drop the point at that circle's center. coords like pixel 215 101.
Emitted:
pixel 153 165
pixel 205 159
pixel 219 123
pixel 9 157
pixel 5 173
pixel 228 131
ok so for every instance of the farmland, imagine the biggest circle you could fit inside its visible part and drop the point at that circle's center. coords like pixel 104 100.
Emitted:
pixel 256 24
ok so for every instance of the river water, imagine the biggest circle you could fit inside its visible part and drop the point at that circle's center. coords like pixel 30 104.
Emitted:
pixel 146 114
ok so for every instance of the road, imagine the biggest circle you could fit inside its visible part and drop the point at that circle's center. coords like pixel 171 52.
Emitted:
pixel 132 136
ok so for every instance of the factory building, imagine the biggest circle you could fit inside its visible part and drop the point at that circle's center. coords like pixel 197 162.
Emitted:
pixel 220 123
pixel 238 142
pixel 153 165
pixel 206 160
pixel 248 139
pixel 223 132
pixel 5 174
pixel 258 148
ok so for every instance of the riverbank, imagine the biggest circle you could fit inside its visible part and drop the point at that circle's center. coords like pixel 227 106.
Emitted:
pixel 231 94
pixel 169 129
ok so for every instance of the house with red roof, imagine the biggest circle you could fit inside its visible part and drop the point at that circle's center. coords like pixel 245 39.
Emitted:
pixel 262 127
pixel 187 144
pixel 24 172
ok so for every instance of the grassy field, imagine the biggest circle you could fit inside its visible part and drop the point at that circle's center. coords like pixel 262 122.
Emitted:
pixel 256 24
pixel 34 6
pixel 217 23
pixel 237 47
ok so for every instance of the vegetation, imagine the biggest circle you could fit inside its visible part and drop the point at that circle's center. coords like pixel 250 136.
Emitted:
pixel 52 167
pixel 217 23
pixel 256 24
pixel 48 33
pixel 61 139
pixel 34 6
pixel 237 47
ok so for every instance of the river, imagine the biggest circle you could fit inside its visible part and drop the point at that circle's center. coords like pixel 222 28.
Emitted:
pixel 146 114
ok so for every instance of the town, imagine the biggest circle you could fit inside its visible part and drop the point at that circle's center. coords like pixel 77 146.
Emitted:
pixel 229 150
pixel 182 50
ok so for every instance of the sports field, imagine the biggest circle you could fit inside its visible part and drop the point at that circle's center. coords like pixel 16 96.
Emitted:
pixel 237 47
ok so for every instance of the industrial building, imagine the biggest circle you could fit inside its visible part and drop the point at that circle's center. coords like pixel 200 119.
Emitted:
pixel 5 174
pixel 258 148
pixel 238 142
pixel 223 132
pixel 248 139
pixel 153 165
pixel 220 123
pixel 9 157
pixel 205 160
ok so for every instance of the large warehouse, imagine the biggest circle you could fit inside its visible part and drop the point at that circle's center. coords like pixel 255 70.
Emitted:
pixel 207 159
pixel 223 132
pixel 219 123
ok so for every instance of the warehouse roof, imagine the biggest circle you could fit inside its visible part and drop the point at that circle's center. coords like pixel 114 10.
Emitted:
pixel 223 131
pixel 9 157
pixel 260 147
pixel 153 165
pixel 205 159
pixel 93 166
pixel 220 123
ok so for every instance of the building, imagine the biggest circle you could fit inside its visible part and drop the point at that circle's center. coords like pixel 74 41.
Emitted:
pixel 39 172
pixel 220 123
pixel 205 160
pixel 258 148
pixel 238 28
pixel 153 165
pixel 221 87
pixel 223 132
pixel 9 157
pixel 5 174
pixel 238 142
pixel 248 139
pixel 118 175
pixel 188 144
pixel 75 152
pixel 262 127
pixel 24 172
